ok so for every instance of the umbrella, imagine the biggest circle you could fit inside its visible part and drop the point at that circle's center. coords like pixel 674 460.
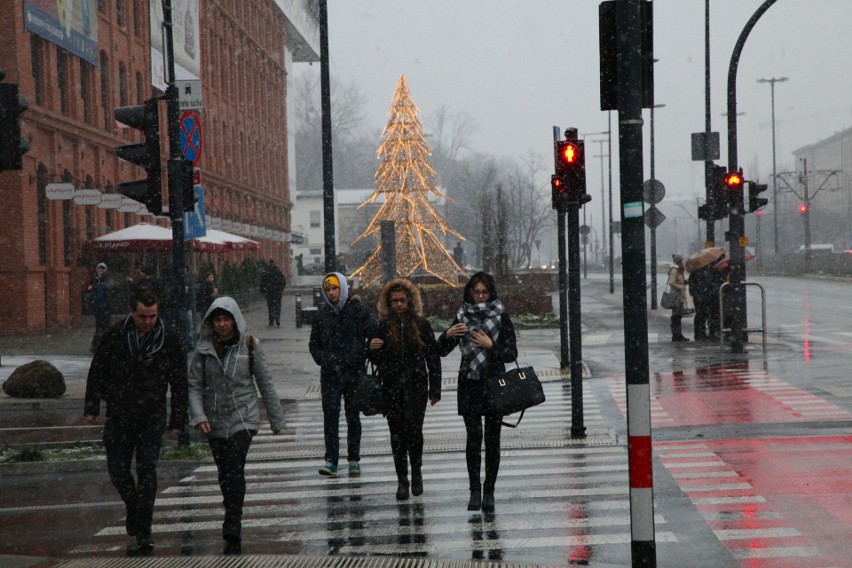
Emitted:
pixel 703 258
pixel 144 237
pixel 723 264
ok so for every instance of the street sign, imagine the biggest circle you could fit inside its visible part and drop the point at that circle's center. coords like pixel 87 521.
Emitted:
pixel 195 222
pixel 585 230
pixel 189 94
pixel 705 146
pixel 653 217
pixel 653 191
pixel 87 197
pixel 111 201
pixel 190 136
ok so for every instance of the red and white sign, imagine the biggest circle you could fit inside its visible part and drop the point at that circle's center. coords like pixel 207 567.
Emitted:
pixel 60 191
pixel 110 201
pixel 87 197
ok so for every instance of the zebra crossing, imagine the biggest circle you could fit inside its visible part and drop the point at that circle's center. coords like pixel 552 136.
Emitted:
pixel 557 498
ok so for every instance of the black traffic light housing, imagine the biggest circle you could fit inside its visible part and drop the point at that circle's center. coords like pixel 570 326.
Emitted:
pixel 717 196
pixel 568 186
pixel 144 117
pixel 755 202
pixel 734 184
pixel 12 145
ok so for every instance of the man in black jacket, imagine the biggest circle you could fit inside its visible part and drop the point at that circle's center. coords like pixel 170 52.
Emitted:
pixel 272 286
pixel 338 345
pixel 137 362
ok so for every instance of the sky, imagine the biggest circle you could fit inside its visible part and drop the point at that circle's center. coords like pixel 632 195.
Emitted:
pixel 519 67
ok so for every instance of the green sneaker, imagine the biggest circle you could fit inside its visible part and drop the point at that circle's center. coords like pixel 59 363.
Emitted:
pixel 328 469
pixel 354 468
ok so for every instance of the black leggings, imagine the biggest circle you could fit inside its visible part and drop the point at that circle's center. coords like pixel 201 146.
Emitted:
pixel 493 426
pixel 230 457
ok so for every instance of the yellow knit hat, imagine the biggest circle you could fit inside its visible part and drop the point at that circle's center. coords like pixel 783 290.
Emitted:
pixel 330 280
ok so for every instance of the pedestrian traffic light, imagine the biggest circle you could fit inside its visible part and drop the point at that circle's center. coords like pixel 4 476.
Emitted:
pixel 571 171
pixel 12 145
pixel 717 196
pixel 144 117
pixel 734 185
pixel 557 190
pixel 755 202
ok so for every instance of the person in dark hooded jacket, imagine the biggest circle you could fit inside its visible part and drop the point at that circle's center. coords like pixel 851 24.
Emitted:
pixel 338 344
pixel 406 353
pixel 223 403
pixel 136 363
pixel 485 335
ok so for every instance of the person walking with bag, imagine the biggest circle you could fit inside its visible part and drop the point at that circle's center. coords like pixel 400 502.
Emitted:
pixel 677 284
pixel 406 353
pixel 226 372
pixel 484 333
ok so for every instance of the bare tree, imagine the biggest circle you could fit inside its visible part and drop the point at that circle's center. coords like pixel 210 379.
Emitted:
pixel 528 209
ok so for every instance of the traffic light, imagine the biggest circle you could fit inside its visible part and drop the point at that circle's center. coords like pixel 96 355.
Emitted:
pixel 734 185
pixel 571 173
pixel 557 191
pixel 12 146
pixel 180 176
pixel 144 117
pixel 755 202
pixel 803 208
pixel 717 197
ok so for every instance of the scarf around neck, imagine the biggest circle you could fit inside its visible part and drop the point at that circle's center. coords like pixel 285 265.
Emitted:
pixel 143 348
pixel 485 317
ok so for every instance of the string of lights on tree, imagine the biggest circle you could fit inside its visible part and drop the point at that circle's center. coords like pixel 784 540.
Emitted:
pixel 404 179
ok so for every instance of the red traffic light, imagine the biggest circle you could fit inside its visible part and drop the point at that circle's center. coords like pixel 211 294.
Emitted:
pixel 803 208
pixel 734 180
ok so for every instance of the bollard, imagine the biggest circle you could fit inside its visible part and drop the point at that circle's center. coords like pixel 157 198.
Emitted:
pixel 298 310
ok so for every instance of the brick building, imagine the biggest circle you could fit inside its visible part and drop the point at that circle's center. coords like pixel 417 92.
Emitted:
pixel 98 56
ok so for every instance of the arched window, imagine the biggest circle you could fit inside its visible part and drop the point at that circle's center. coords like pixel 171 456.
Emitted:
pixel 41 198
pixel 67 226
pixel 37 54
pixel 122 84
pixel 89 217
pixel 62 80
pixel 87 90
pixel 104 60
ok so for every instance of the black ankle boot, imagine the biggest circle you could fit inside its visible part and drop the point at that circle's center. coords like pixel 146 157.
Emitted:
pixel 233 545
pixel 475 502
pixel 416 481
pixel 488 500
pixel 401 492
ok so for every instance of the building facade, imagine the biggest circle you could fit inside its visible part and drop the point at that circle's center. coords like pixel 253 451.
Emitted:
pixel 75 69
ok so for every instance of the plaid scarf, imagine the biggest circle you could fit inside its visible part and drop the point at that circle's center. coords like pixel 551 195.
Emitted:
pixel 483 317
pixel 143 349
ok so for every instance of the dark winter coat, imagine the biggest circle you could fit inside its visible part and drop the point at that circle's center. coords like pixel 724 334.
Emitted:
pixel 100 292
pixel 409 370
pixel 272 283
pixel 505 350
pixel 134 388
pixel 340 334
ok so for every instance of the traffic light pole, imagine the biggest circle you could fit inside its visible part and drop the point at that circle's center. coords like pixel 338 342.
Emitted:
pixel 178 273
pixel 736 234
pixel 578 430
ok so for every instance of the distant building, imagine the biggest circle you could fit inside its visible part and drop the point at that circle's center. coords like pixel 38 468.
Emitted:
pixel 75 67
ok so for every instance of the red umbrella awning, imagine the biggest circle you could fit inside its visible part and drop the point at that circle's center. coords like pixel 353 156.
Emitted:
pixel 145 238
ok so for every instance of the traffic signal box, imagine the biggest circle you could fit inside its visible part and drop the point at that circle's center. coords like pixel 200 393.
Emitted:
pixel 734 184
pixel 755 202
pixel 568 186
pixel 12 146
pixel 144 117
pixel 180 174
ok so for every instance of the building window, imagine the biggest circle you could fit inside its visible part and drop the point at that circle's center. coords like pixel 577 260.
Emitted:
pixel 122 84
pixel 140 89
pixel 119 12
pixel 62 77
pixel 87 73
pixel 315 219
pixel 37 51
pixel 41 190
pixel 67 225
pixel 104 71
pixel 102 7
pixel 89 217
pixel 137 27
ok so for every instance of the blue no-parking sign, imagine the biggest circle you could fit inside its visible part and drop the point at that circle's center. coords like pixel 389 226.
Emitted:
pixel 190 136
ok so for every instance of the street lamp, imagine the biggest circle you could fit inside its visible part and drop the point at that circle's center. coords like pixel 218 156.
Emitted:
pixel 603 197
pixel 772 82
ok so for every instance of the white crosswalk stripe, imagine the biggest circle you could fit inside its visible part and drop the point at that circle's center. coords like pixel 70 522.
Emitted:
pixel 552 494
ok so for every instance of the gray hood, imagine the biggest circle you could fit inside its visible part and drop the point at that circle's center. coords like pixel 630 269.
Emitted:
pixel 344 292
pixel 205 329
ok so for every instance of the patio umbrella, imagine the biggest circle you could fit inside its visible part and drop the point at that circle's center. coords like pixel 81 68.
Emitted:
pixel 145 238
pixel 703 258
pixel 232 241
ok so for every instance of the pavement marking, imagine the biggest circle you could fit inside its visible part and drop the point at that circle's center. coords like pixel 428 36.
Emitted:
pixel 728 500
pixel 741 534
pixel 777 552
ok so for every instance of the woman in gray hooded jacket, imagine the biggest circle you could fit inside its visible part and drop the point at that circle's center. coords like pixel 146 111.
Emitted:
pixel 227 369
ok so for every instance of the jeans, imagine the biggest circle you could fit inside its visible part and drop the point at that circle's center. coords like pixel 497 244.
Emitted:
pixel 142 435
pixel 230 457
pixel 334 387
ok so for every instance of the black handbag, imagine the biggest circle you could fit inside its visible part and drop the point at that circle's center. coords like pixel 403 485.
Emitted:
pixel 367 396
pixel 513 391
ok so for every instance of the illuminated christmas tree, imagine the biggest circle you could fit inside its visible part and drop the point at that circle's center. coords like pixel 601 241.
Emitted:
pixel 405 179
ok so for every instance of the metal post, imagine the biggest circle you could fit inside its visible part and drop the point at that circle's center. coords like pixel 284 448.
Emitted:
pixel 578 430
pixel 327 168
pixel 611 247
pixel 708 163
pixel 562 265
pixel 643 544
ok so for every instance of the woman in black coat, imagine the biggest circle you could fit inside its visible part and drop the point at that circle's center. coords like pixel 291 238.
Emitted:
pixel 406 354
pixel 486 337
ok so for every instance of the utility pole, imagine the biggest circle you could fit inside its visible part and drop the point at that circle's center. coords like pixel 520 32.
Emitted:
pixel 772 82
pixel 327 154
